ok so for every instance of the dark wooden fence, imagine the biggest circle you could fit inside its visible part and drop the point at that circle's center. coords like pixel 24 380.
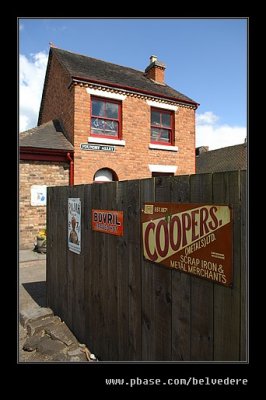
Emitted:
pixel 125 308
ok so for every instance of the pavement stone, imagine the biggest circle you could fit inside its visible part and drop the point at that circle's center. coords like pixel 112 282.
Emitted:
pixel 34 314
pixel 30 255
pixel 32 342
pixel 61 332
pixel 42 325
pixel 49 346
pixel 43 337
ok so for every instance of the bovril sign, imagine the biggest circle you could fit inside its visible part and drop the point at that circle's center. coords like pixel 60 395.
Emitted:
pixel 191 238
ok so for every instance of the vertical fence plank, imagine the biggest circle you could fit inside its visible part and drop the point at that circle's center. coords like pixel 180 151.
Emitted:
pixel 94 318
pixel 123 277
pixel 227 300
pixel 148 304
pixel 62 281
pixel 201 291
pixel 162 287
pixel 76 275
pixel 110 279
pixel 181 283
pixel 244 308
pixel 89 281
pixel 78 306
pixel 134 265
pixel 51 255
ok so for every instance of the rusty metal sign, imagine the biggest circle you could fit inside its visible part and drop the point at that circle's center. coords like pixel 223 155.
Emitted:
pixel 191 238
pixel 107 221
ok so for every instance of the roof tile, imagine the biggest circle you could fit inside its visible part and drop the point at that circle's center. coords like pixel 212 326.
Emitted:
pixel 225 159
pixel 47 136
pixel 91 68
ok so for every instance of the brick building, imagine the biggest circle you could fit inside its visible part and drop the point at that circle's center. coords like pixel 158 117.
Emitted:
pixel 45 156
pixel 229 158
pixel 114 123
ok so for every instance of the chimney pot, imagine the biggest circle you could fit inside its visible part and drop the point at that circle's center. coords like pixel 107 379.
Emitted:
pixel 152 59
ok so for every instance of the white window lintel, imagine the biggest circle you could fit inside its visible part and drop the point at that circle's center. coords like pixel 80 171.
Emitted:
pixel 163 168
pixel 162 105
pixel 108 95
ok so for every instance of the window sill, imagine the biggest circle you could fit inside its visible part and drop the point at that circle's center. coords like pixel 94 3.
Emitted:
pixel 116 142
pixel 163 147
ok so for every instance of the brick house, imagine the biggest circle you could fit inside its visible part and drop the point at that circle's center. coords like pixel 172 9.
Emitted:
pixel 116 123
pixel 45 156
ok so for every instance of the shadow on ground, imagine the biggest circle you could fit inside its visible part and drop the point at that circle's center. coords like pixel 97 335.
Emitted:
pixel 37 290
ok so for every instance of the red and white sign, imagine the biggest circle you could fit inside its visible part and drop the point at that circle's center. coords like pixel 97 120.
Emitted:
pixel 193 238
pixel 107 221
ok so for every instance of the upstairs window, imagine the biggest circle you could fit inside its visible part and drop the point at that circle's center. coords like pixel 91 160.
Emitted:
pixel 162 126
pixel 105 118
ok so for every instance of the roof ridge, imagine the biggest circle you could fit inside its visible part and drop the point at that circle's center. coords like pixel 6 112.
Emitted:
pixel 32 130
pixel 97 59
pixel 222 148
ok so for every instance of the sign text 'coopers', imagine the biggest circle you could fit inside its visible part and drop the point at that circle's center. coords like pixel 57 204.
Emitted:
pixel 193 238
pixel 108 221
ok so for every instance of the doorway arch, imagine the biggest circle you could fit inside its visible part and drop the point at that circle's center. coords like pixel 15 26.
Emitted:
pixel 105 175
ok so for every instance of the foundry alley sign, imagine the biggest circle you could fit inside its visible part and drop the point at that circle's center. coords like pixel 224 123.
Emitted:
pixel 191 238
pixel 97 147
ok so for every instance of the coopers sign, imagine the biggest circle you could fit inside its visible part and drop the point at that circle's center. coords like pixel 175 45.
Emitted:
pixel 193 238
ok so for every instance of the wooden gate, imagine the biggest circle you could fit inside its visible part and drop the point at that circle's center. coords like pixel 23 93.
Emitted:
pixel 126 308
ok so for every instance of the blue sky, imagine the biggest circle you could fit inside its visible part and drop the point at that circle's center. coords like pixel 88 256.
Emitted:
pixel 206 59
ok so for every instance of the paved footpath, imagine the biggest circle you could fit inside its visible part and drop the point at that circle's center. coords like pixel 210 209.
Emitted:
pixel 43 337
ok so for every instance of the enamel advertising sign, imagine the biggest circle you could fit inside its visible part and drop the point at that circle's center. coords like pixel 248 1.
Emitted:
pixel 107 221
pixel 191 238
pixel 74 225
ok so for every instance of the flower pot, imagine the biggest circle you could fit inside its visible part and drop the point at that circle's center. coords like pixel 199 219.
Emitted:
pixel 41 244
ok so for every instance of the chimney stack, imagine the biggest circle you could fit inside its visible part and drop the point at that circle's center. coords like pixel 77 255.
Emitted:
pixel 155 70
pixel 201 149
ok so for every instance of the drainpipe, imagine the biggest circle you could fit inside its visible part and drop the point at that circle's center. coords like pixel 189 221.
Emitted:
pixel 71 169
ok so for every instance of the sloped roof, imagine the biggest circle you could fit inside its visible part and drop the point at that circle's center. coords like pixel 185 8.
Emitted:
pixel 46 136
pixel 225 159
pixel 97 70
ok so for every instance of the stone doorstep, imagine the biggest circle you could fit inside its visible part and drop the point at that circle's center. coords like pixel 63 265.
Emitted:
pixel 41 325
pixel 30 315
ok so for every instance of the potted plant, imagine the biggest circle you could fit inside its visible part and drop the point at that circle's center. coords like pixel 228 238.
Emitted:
pixel 41 241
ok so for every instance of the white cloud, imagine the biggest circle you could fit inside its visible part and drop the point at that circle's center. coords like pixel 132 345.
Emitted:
pixel 207 118
pixel 31 78
pixel 209 133
pixel 21 27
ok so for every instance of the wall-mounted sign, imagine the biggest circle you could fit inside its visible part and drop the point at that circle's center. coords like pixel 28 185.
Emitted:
pixel 38 195
pixel 74 225
pixel 97 147
pixel 192 238
pixel 107 221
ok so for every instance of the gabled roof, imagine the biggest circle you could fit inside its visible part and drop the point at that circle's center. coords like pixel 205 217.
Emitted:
pixel 46 136
pixel 94 70
pixel 226 159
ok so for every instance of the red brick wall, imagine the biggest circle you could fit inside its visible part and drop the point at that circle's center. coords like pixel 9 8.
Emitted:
pixel 131 161
pixel 58 101
pixel 33 218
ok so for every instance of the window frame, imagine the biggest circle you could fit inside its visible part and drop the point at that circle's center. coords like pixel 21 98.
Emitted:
pixel 171 129
pixel 119 120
